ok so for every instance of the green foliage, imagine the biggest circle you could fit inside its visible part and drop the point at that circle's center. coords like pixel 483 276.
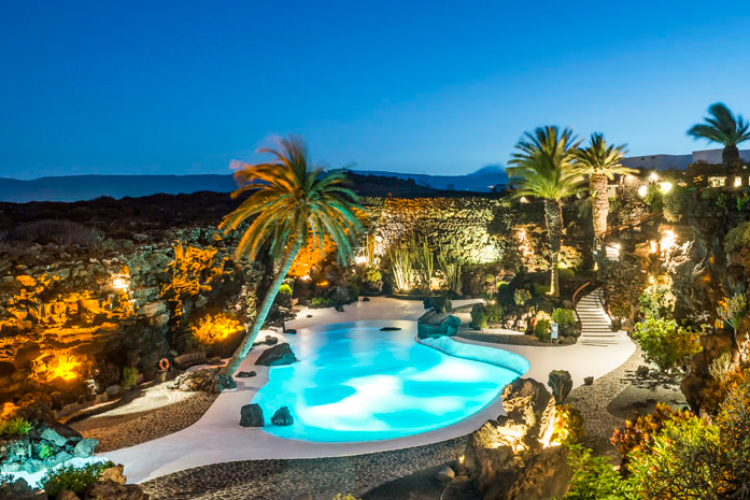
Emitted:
pixel 478 316
pixel 425 262
pixel 568 426
pixel 321 302
pixel 731 310
pixel 657 301
pixel 286 290
pixel 75 479
pixel 654 197
pixel 594 478
pixel 373 278
pixel 733 422
pixel 564 317
pixel 541 290
pixel 742 201
pixel 521 296
pixel 677 202
pixel 15 427
pixel 722 127
pixel 129 377
pixel 737 238
pixel 402 257
pixel 543 330
pixel 45 451
pixel 682 462
pixel 450 264
pixel 495 313
pixel 666 344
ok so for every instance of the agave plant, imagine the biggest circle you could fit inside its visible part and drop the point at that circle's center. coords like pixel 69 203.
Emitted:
pixel 450 264
pixel 402 265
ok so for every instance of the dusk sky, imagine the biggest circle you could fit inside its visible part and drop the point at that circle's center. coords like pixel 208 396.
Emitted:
pixel 435 87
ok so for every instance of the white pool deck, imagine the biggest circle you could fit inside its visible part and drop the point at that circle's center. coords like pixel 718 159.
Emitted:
pixel 217 437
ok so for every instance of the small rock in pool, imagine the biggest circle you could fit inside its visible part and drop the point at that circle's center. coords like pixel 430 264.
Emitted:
pixel 245 374
pixel 251 416
pixel 282 417
pixel 390 329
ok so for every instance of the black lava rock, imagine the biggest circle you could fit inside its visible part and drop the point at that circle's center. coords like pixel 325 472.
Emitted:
pixel 245 374
pixel 390 329
pixel 278 355
pixel 282 417
pixel 251 416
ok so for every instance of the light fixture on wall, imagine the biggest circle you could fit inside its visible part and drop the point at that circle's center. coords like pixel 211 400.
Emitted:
pixel 643 191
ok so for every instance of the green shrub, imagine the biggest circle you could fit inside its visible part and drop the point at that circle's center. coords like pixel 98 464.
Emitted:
pixel 15 427
pixel 129 377
pixel 568 426
pixel 594 478
pixel 373 278
pixel 564 317
pixel 320 302
pixel 75 479
pixel 666 344
pixel 495 313
pixel 521 296
pixel 478 316
pixel 543 330
pixel 285 289
pixel 566 274
pixel 657 301
pixel 45 451
pixel 737 238
pixel 541 290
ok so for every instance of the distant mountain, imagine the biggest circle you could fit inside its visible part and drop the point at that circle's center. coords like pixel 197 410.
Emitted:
pixel 87 187
pixel 480 181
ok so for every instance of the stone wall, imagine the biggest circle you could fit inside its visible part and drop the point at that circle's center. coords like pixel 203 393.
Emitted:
pixel 72 319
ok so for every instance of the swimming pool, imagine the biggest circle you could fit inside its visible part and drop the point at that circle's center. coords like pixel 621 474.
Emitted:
pixel 355 382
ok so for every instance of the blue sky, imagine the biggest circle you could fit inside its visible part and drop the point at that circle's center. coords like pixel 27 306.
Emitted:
pixel 435 87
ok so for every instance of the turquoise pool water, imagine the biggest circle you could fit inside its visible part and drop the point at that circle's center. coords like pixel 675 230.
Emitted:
pixel 356 383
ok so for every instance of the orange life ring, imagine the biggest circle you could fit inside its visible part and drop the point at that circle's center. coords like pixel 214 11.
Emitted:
pixel 164 364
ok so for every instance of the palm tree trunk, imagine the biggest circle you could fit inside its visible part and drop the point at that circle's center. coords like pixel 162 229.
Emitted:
pixel 730 157
pixel 224 379
pixel 600 206
pixel 554 215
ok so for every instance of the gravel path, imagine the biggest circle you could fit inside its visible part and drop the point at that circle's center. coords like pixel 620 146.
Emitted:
pixel 284 479
pixel 157 414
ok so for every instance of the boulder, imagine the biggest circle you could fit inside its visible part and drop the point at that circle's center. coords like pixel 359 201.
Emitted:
pixel 67 495
pixel 85 447
pixel 282 417
pixel 114 474
pixel 499 451
pixel 278 355
pixel 245 374
pixel 110 490
pixel 545 477
pixel 251 416
pixel 561 384
pixel 588 380
pixel 445 474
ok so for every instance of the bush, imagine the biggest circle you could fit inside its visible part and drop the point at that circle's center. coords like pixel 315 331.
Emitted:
pixel 129 377
pixel 478 316
pixel 15 427
pixel 657 301
pixel 373 278
pixel 285 289
pixel 737 238
pixel 495 313
pixel 541 290
pixel 321 302
pixel 667 345
pixel 568 428
pixel 75 479
pixel 543 330
pixel 594 478
pixel 564 317
pixel 60 232
pixel 521 296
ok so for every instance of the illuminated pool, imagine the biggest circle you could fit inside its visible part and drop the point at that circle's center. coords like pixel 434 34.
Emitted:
pixel 356 383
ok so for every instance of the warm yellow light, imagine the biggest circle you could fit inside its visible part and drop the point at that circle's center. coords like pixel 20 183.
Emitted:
pixel 323 283
pixel 653 177
pixel 665 187
pixel 523 199
pixel 651 280
pixel 212 329
pixel 653 248
pixel 737 181
pixel 306 277
pixel 668 241
pixel 120 283
pixel 461 459
pixel 63 366
pixel 361 259
pixel 643 191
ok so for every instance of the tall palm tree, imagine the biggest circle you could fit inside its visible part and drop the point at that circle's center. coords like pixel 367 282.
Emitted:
pixel 601 162
pixel 294 203
pixel 722 127
pixel 544 166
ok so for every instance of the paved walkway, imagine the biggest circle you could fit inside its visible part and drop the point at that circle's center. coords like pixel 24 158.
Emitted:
pixel 217 437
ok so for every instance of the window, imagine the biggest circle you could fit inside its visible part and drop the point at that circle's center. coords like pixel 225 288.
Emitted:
pixel 715 182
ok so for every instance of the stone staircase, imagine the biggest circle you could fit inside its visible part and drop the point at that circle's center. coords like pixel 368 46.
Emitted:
pixel 596 328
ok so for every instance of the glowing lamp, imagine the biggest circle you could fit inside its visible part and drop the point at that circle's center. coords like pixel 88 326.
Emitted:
pixel 523 199
pixel 653 177
pixel 323 283
pixel 643 191
pixel 361 260
pixel 120 283
pixel 652 247
pixel 665 187
pixel 668 241
pixel 737 181
pixel 306 277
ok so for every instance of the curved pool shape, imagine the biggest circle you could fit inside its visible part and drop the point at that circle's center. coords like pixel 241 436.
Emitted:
pixel 354 382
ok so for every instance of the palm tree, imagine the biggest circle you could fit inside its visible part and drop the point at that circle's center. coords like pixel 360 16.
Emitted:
pixel 723 128
pixel 601 162
pixel 294 204
pixel 544 166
